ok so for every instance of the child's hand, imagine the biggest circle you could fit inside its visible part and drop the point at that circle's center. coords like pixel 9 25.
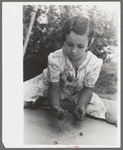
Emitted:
pixel 59 112
pixel 79 112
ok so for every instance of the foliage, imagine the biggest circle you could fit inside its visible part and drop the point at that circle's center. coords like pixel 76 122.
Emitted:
pixel 46 33
pixel 106 85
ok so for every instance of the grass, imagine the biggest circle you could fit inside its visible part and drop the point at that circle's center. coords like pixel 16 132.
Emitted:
pixel 106 85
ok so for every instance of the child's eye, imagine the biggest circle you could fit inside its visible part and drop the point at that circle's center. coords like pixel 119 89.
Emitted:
pixel 69 44
pixel 80 46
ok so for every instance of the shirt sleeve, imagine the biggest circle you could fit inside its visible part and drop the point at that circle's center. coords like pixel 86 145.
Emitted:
pixel 54 69
pixel 93 73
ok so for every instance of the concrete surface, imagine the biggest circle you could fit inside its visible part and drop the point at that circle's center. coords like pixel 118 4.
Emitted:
pixel 41 127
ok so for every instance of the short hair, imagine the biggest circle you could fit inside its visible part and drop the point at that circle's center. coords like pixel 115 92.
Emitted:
pixel 78 24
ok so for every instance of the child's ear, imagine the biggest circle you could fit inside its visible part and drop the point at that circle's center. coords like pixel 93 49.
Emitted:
pixel 91 41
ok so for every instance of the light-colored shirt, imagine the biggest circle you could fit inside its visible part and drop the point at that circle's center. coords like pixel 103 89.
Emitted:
pixel 60 69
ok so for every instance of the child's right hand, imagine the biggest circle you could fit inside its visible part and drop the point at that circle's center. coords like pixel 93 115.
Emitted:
pixel 59 112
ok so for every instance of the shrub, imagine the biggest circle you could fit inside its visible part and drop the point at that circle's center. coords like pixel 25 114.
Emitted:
pixel 46 33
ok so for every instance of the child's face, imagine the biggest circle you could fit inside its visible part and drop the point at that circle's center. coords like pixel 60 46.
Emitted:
pixel 75 45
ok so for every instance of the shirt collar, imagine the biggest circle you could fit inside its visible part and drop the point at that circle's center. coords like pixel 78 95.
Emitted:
pixel 86 61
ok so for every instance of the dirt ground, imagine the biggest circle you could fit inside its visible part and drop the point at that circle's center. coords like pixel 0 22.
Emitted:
pixel 41 128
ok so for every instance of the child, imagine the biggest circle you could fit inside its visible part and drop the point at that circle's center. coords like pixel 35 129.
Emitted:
pixel 71 75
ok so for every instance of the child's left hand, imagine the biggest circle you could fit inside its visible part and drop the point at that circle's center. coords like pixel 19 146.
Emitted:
pixel 79 112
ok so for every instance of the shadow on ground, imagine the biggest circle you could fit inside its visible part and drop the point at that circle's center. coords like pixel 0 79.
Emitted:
pixel 41 127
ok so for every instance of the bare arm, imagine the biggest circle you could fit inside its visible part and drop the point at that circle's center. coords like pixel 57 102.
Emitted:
pixel 54 100
pixel 53 94
pixel 85 96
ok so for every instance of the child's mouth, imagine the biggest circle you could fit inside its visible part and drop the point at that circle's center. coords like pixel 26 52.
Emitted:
pixel 73 54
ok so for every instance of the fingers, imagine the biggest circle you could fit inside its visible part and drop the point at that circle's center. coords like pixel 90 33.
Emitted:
pixel 79 114
pixel 60 114
pixel 65 112
pixel 56 109
pixel 80 118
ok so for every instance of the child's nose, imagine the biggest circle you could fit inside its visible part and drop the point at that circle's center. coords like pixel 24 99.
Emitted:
pixel 74 50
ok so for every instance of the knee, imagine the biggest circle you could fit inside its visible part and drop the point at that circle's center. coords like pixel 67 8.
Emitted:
pixel 111 116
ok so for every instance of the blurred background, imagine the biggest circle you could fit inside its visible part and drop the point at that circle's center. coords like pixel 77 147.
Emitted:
pixel 45 38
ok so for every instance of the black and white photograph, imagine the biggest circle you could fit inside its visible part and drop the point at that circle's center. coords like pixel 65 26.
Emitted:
pixel 70 74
